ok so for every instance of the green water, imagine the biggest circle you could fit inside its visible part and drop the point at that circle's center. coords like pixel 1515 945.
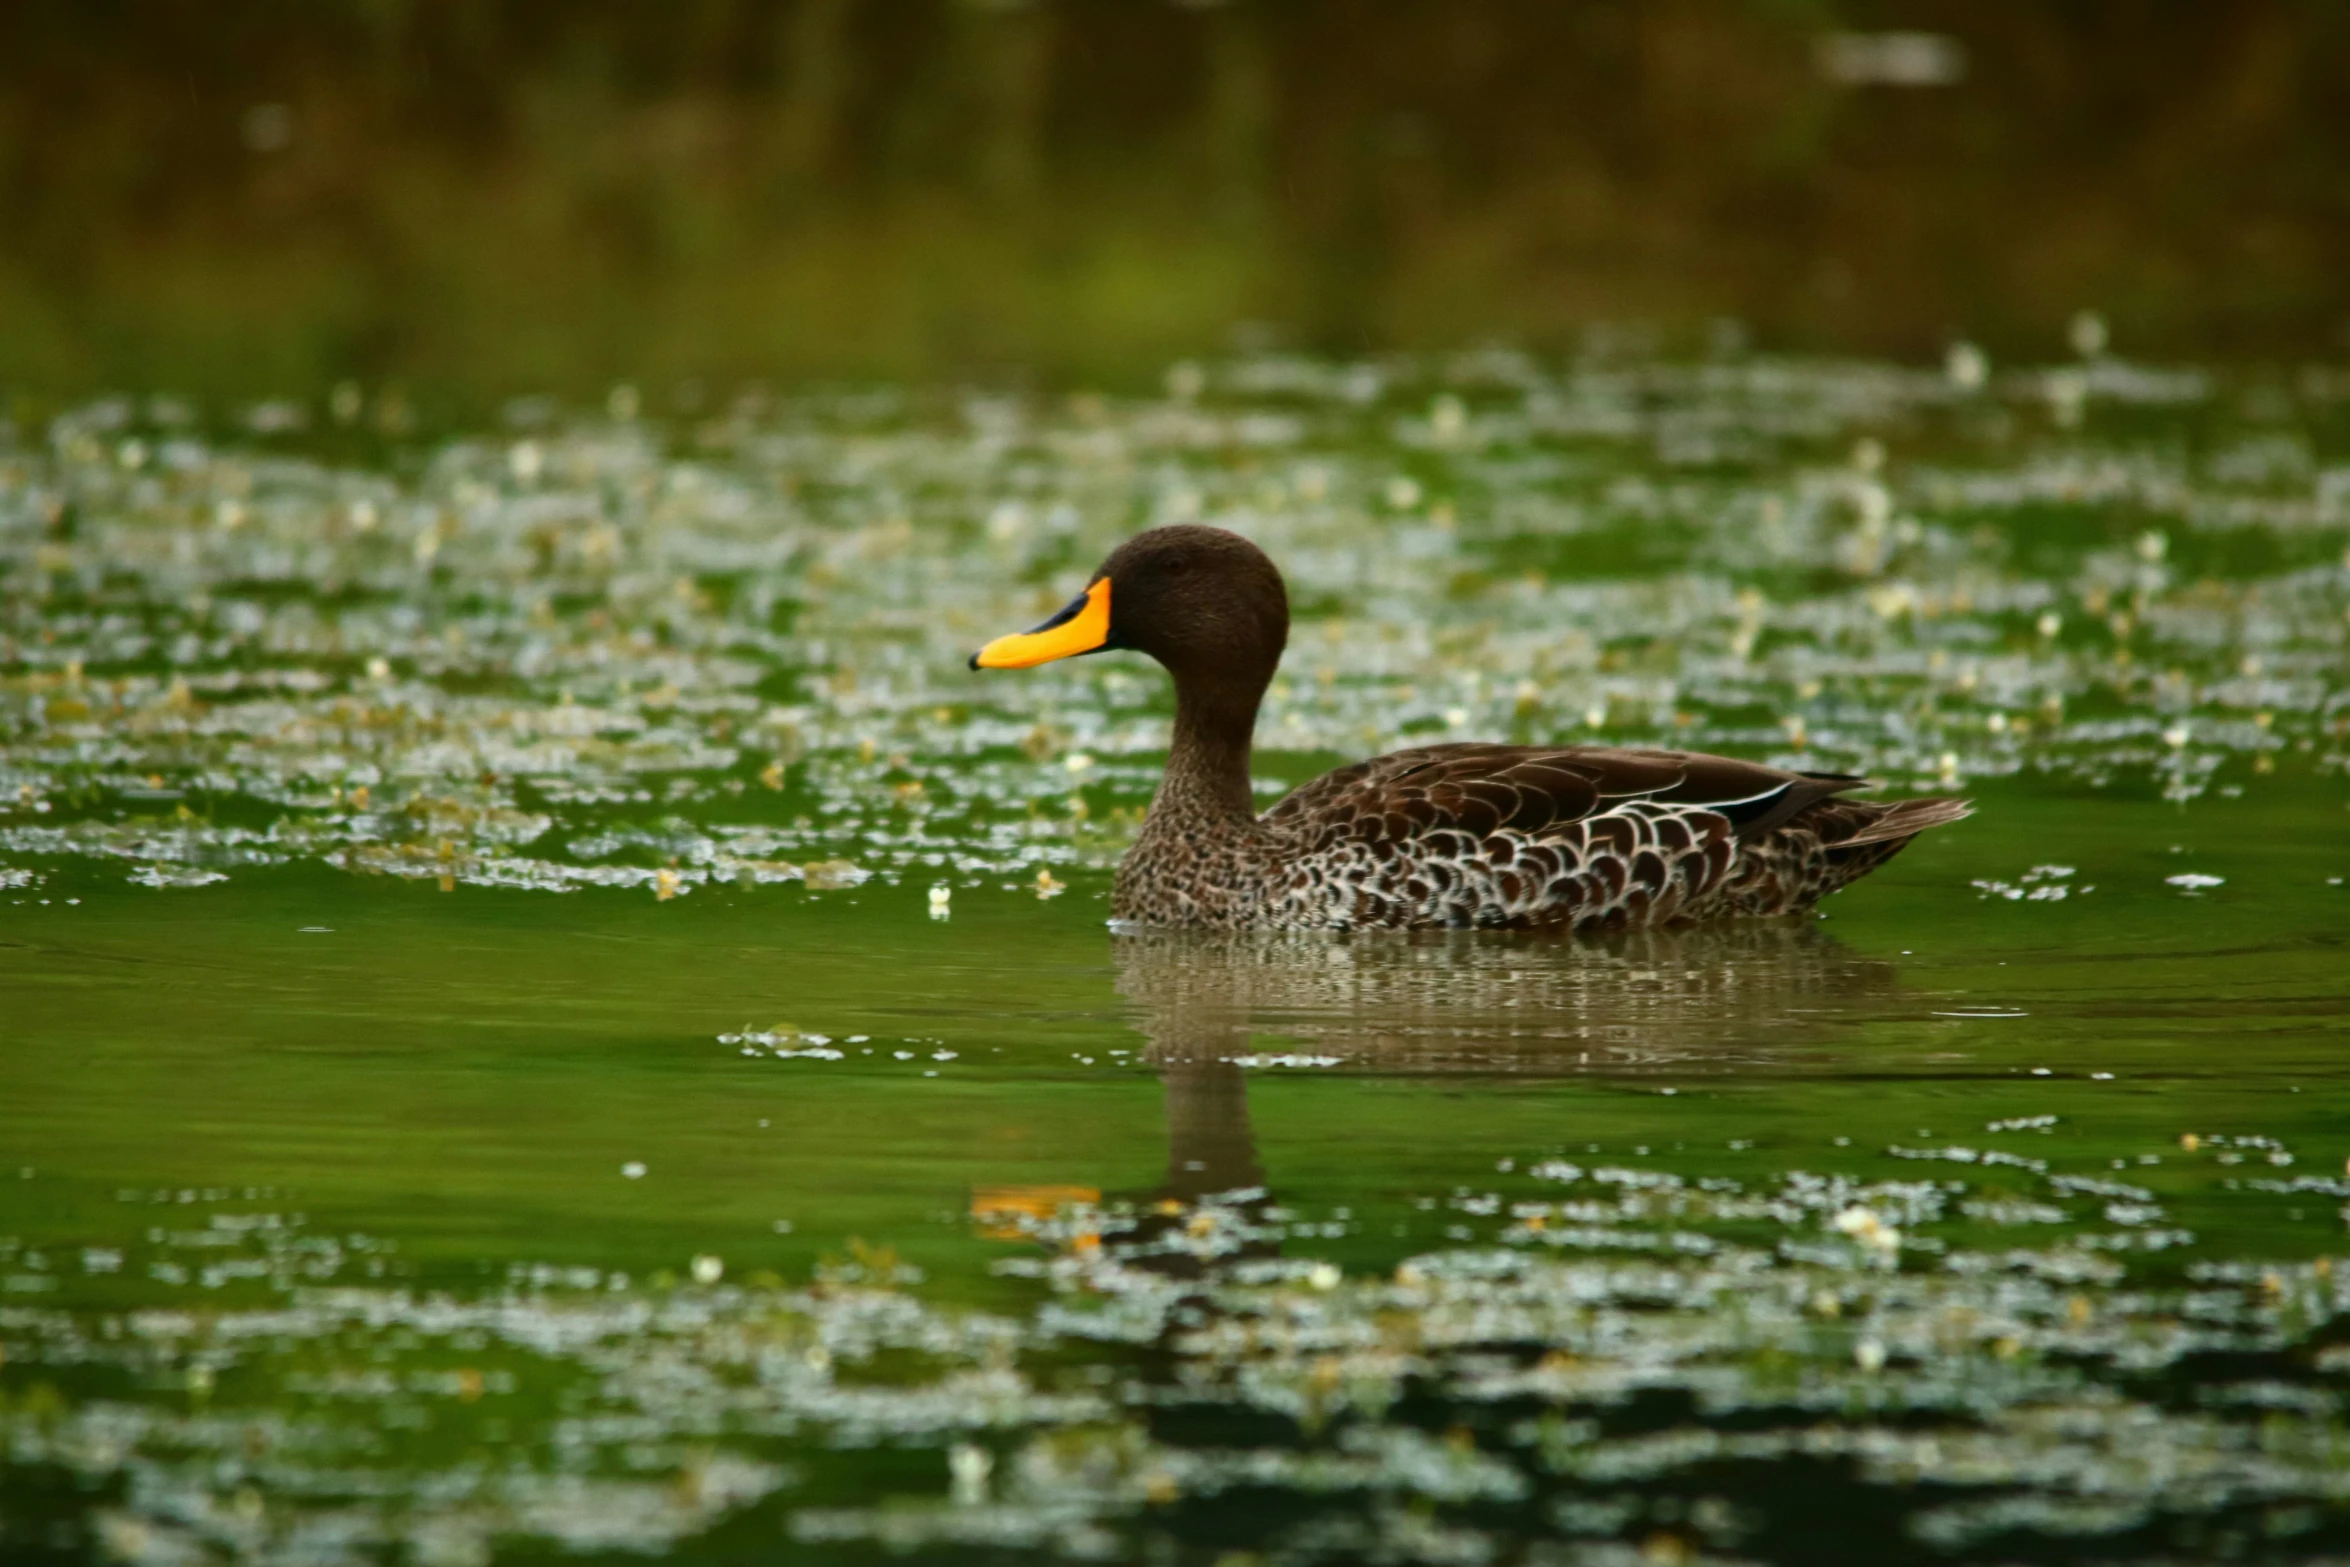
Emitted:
pixel 489 1071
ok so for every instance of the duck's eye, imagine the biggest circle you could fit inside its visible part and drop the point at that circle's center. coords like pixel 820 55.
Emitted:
pixel 1176 566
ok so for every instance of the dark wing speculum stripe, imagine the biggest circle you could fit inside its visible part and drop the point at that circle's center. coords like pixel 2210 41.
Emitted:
pixel 1754 797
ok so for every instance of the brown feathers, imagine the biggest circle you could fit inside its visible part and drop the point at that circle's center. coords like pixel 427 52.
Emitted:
pixel 1515 837
pixel 1447 835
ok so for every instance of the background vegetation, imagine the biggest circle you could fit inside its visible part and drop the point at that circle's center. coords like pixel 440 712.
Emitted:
pixel 504 193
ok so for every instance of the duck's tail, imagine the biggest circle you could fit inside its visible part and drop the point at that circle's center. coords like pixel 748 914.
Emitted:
pixel 1905 819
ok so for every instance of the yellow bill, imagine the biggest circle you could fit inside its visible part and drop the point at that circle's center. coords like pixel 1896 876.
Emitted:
pixel 1082 626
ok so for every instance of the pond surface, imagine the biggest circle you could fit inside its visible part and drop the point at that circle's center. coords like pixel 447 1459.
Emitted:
pixel 546 1014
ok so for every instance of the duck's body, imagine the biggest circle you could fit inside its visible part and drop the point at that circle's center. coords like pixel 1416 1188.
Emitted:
pixel 1439 836
pixel 1497 836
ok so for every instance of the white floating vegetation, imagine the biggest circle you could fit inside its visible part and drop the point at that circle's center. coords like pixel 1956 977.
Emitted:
pixel 533 684
pixel 1971 1343
pixel 1285 1059
pixel 786 1043
pixel 174 876
pixel 2087 333
pixel 2040 884
pixel 1967 366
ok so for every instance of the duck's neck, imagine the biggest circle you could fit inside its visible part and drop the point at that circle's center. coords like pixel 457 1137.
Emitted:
pixel 1207 764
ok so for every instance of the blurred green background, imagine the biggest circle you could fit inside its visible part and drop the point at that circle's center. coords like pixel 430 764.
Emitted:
pixel 504 194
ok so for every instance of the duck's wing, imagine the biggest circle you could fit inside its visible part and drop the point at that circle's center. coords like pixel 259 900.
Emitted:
pixel 1527 789
pixel 1514 835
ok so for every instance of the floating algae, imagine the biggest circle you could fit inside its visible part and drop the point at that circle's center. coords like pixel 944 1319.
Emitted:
pixel 1601 1362
pixel 605 648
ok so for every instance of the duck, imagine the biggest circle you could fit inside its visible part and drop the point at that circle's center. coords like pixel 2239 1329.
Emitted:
pixel 1454 836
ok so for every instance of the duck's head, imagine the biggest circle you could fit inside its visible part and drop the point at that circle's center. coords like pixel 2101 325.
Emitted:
pixel 1206 603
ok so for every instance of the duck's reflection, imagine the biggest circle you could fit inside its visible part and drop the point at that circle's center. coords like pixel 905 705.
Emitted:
pixel 1210 1147
pixel 1214 1007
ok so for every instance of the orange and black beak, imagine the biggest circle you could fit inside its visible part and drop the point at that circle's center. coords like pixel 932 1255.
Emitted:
pixel 1082 626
